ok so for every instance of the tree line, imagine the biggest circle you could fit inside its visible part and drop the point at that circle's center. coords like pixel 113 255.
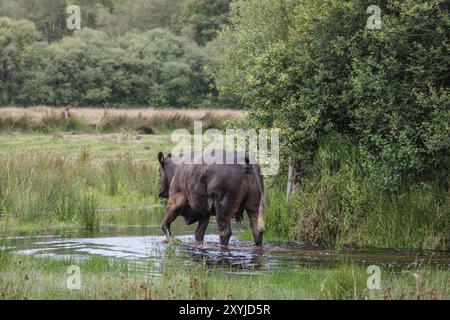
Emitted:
pixel 196 19
pixel 318 68
pixel 133 52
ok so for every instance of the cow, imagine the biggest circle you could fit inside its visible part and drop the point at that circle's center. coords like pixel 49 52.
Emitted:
pixel 197 191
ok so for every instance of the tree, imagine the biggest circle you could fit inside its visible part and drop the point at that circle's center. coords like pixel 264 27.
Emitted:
pixel 202 18
pixel 49 17
pixel 154 68
pixel 172 66
pixel 124 54
pixel 140 15
pixel 311 68
pixel 14 37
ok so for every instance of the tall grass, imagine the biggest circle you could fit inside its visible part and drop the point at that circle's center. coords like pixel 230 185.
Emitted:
pixel 60 121
pixel 340 205
pixel 45 189
pixel 51 122
pixel 87 211
pixel 280 218
pixel 102 278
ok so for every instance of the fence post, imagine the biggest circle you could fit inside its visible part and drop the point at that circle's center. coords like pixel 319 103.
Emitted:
pixel 294 179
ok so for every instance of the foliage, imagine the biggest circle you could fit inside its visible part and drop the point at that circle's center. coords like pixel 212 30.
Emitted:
pixel 111 16
pixel 311 67
pixel 120 16
pixel 201 19
pixel 47 15
pixel 196 19
pixel 14 36
pixel 339 204
pixel 153 68
pixel 124 54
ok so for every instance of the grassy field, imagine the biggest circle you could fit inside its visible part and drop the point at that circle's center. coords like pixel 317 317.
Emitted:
pixel 95 115
pixel 54 181
pixel 88 174
pixel 36 278
pixel 98 146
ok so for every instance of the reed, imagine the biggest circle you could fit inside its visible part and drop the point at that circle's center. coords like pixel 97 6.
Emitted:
pixel 90 120
pixel 47 189
pixel 102 278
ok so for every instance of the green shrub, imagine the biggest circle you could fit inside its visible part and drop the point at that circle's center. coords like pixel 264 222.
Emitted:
pixel 155 68
pixel 299 67
pixel 340 204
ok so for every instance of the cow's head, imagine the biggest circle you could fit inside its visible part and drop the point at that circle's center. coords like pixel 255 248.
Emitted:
pixel 166 173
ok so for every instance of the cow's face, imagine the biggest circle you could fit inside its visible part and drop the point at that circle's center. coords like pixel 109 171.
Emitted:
pixel 166 172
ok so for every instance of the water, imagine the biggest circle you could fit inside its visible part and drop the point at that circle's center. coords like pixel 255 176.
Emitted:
pixel 146 247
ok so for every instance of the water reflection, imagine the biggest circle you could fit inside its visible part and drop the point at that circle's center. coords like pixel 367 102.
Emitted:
pixel 147 249
pixel 251 259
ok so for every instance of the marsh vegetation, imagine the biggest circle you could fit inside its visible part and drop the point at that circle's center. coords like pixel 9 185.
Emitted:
pixel 76 186
pixel 363 115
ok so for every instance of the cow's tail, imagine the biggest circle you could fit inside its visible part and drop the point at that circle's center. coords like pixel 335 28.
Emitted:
pixel 262 201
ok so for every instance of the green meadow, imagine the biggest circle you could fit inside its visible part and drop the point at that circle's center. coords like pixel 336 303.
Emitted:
pixel 101 278
pixel 86 182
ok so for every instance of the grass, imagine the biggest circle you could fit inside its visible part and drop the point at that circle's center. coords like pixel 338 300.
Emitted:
pixel 60 181
pixel 26 277
pixel 94 146
pixel 94 115
pixel 87 212
pixel 90 120
pixel 340 205
pixel 44 178
pixel 68 181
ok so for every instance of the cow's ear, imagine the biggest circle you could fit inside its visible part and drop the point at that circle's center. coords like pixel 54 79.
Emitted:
pixel 161 158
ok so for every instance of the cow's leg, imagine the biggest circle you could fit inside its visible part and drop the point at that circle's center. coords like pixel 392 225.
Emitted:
pixel 251 206
pixel 201 229
pixel 224 213
pixel 224 224
pixel 257 235
pixel 173 209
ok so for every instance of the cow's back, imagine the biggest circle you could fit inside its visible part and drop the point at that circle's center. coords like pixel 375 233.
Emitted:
pixel 206 186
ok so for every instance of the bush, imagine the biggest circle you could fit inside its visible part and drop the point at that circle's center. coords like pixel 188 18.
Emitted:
pixel 340 204
pixel 155 68
pixel 309 68
pixel 15 36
